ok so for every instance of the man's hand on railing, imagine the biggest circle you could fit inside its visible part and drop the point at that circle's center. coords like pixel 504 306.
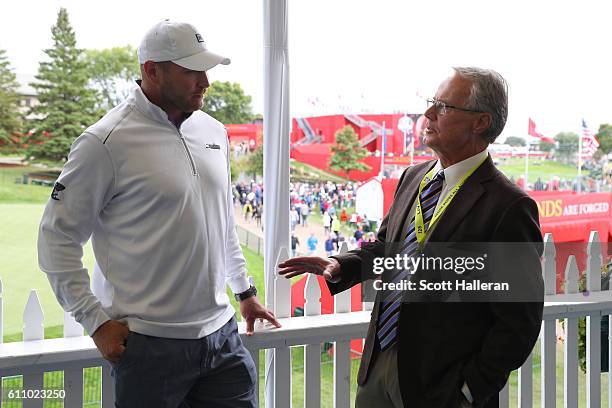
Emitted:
pixel 251 310
pixel 329 268
pixel 110 340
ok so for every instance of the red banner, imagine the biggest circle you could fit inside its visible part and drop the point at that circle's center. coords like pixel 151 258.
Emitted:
pixel 569 206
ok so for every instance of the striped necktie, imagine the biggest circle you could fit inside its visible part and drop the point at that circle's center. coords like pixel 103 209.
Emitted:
pixel 390 308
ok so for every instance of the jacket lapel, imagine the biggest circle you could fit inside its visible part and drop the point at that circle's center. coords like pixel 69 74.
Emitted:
pixel 465 199
pixel 405 198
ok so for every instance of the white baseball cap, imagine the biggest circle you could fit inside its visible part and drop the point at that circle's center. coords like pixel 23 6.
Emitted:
pixel 180 43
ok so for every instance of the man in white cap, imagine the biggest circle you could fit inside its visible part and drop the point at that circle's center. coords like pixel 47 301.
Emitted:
pixel 150 184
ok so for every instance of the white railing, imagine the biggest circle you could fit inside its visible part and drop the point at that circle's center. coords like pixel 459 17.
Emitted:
pixel 34 356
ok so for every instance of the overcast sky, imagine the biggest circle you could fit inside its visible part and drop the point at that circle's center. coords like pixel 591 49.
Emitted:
pixel 369 56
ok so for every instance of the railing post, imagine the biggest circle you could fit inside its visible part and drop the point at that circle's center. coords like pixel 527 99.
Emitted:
pixel 255 356
pixel 281 378
pixel 73 378
pixel 73 386
pixel 593 324
pixel 33 329
pixel 71 327
pixel 504 396
pixel 342 351
pixel 312 352
pixel 570 352
pixel 548 335
pixel 525 383
pixel 108 387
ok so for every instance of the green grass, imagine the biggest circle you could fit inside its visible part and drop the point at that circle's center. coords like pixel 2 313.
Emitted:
pixel 303 171
pixel 20 194
pixel 19 270
pixel 545 169
pixel 10 192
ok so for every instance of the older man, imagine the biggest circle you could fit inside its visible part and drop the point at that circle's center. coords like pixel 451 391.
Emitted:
pixel 150 183
pixel 439 354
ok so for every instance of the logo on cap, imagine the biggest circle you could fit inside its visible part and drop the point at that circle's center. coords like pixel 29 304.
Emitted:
pixel 199 38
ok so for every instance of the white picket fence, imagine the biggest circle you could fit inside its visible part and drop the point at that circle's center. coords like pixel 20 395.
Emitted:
pixel 34 356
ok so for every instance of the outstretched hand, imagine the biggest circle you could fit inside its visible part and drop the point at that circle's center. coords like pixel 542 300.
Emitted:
pixel 329 268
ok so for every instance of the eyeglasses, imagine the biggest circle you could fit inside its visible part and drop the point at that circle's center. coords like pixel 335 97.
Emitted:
pixel 443 107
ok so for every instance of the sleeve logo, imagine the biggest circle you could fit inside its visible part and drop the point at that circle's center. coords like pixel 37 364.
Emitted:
pixel 55 194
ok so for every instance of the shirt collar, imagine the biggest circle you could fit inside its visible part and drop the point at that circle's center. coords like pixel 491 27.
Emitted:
pixel 454 173
pixel 138 98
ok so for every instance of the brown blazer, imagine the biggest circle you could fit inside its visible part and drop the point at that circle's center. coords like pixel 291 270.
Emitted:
pixel 441 345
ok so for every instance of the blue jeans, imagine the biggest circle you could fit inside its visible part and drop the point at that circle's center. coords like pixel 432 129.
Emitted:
pixel 214 371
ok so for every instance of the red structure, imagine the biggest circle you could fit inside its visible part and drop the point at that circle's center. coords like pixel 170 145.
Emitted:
pixel 313 137
pixel 569 216
pixel 249 133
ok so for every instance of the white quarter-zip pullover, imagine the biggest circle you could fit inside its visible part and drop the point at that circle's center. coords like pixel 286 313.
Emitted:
pixel 156 201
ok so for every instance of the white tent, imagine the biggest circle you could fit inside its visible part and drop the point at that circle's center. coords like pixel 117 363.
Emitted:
pixel 369 199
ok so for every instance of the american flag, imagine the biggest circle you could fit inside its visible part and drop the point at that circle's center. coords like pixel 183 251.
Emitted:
pixel 589 142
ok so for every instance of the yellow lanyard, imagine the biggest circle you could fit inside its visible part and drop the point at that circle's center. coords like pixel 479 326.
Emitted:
pixel 419 225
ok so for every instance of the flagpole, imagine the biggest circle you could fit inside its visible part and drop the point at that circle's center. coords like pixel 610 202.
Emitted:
pixel 382 156
pixel 579 163
pixel 527 164
pixel 412 150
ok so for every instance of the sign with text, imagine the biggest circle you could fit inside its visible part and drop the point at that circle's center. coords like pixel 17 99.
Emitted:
pixel 566 207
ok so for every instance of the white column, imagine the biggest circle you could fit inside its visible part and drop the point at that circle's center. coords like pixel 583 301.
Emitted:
pixel 276 156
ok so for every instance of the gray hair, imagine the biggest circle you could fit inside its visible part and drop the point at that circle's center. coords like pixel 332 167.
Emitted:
pixel 489 94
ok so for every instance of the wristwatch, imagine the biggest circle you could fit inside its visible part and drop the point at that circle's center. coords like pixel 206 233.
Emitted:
pixel 250 292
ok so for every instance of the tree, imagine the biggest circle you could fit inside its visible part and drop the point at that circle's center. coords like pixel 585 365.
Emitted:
pixel 515 141
pixel 67 104
pixel 226 102
pixel 567 145
pixel 347 151
pixel 112 72
pixel 254 162
pixel 10 117
pixel 604 135
pixel 545 146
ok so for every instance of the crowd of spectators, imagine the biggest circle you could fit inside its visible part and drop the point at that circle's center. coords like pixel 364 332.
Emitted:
pixel 332 203
pixel 588 184
pixel 250 198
